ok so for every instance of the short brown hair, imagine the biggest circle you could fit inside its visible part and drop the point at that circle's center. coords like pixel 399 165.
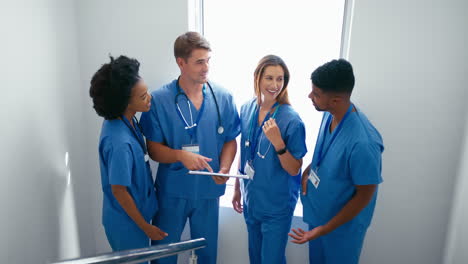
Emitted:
pixel 271 60
pixel 187 42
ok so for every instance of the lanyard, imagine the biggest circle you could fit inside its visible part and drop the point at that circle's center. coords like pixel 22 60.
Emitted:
pixel 252 140
pixel 191 128
pixel 138 136
pixel 321 154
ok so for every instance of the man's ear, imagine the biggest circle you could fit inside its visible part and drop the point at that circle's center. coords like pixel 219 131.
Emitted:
pixel 336 99
pixel 180 62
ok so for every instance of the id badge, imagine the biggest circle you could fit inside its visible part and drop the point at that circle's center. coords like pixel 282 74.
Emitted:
pixel 314 178
pixel 249 170
pixel 192 148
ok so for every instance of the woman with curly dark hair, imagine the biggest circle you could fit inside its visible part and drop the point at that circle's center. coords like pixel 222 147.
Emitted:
pixel 129 201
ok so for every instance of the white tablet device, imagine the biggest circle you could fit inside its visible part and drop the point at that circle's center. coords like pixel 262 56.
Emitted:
pixel 219 174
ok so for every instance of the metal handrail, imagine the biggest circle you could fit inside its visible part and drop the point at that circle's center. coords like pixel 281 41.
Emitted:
pixel 140 255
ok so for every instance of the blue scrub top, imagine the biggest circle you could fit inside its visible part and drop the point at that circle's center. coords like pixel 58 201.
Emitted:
pixel 163 124
pixel 122 162
pixel 353 158
pixel 272 191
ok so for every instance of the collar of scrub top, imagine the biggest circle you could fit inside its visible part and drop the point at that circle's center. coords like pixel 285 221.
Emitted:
pixel 138 136
pixel 251 141
pixel 321 152
pixel 190 126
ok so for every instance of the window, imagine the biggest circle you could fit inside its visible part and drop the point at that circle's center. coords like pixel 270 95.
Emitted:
pixel 304 33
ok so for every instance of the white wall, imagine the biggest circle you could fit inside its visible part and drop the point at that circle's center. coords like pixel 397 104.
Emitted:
pixel 410 62
pixel 40 113
pixel 51 49
pixel 456 249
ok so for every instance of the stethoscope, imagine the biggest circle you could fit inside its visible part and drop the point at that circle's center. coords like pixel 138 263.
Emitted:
pixel 192 124
pixel 141 140
pixel 248 142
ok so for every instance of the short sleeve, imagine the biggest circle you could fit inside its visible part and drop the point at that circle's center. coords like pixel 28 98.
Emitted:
pixel 232 121
pixel 365 163
pixel 296 140
pixel 151 125
pixel 120 163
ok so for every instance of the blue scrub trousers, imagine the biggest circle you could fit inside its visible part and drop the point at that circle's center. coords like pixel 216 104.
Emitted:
pixel 124 238
pixel 203 215
pixel 268 236
pixel 337 248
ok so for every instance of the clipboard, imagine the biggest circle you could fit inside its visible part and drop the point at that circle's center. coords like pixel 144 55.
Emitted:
pixel 207 173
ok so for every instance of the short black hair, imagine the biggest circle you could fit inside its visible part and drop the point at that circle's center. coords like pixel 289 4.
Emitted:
pixel 335 76
pixel 111 86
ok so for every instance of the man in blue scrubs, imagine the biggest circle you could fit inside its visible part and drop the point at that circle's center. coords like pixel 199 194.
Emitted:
pixel 192 125
pixel 340 185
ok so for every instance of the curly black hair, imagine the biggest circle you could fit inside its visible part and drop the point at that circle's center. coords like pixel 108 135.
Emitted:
pixel 111 86
pixel 335 76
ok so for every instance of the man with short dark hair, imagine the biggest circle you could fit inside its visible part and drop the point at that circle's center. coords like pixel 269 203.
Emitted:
pixel 339 187
pixel 192 125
